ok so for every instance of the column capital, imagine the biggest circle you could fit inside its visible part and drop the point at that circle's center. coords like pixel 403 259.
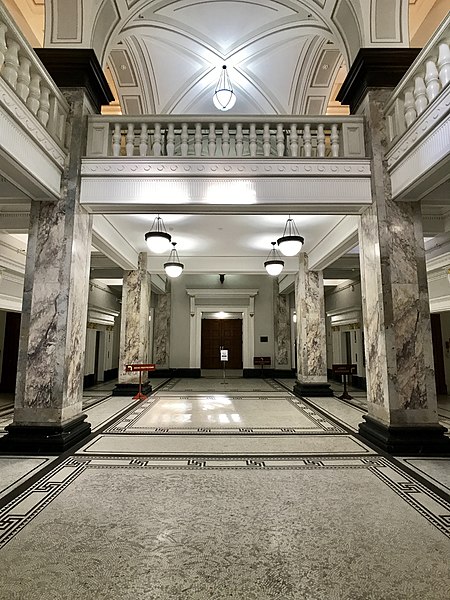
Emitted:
pixel 77 68
pixel 374 68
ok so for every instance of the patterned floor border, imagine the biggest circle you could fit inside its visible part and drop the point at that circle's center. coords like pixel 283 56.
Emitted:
pixel 321 424
pixel 25 507
pixel 272 384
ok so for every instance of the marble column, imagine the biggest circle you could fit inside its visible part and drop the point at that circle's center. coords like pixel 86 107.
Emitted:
pixel 48 406
pixel 311 333
pixel 161 336
pixel 282 328
pixel 134 328
pixel 402 408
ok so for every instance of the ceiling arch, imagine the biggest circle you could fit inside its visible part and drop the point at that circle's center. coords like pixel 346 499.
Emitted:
pixel 282 55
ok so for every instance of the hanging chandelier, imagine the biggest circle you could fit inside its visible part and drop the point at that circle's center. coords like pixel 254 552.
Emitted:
pixel 274 265
pixel 173 267
pixel 158 240
pixel 291 242
pixel 224 98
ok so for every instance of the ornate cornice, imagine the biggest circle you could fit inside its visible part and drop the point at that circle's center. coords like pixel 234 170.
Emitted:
pixel 225 168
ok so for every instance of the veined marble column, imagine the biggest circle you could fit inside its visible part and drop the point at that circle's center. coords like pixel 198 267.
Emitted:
pixel 134 328
pixel 282 329
pixel 48 405
pixel 311 333
pixel 161 335
pixel 402 407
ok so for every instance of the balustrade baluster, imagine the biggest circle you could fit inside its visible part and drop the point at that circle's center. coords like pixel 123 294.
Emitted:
pixel 10 69
pixel 130 140
pixel 43 112
pixel 184 139
pixel 410 107
pixel 334 140
pixel 320 141
pixel 171 140
pixel 157 140
pixel 117 139
pixel 280 139
pixel 293 140
pixel 420 94
pixel 307 140
pixel 266 140
pixel 444 64
pixel 239 140
pixel 225 140
pixel 432 80
pixel 35 93
pixel 23 78
pixel 212 139
pixel 198 139
pixel 3 49
pixel 252 138
pixel 143 146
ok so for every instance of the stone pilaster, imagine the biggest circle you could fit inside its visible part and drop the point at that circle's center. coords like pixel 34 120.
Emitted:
pixel 402 408
pixel 311 333
pixel 161 335
pixel 282 329
pixel 134 328
pixel 48 407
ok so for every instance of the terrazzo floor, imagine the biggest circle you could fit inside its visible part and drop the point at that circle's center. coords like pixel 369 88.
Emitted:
pixel 248 493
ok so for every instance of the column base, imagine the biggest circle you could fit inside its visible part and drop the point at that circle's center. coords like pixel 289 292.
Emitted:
pixel 44 439
pixel 402 441
pixel 131 389
pixel 314 390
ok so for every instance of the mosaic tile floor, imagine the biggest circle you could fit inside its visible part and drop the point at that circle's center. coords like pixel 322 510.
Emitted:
pixel 170 500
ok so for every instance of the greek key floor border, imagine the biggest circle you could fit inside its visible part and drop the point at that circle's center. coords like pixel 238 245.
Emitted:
pixel 322 425
pixel 25 507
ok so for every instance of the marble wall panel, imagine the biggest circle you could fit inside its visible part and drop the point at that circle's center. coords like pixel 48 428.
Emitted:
pixel 282 328
pixel 399 360
pixel 161 334
pixel 134 320
pixel 311 327
pixel 54 313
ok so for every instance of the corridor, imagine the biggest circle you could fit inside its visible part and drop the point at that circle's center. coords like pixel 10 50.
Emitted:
pixel 218 489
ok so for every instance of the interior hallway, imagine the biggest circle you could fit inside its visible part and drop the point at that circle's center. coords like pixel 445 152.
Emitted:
pixel 224 490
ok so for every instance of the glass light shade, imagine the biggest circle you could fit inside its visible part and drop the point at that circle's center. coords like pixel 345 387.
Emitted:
pixel 173 269
pixel 158 241
pixel 224 99
pixel 274 267
pixel 290 245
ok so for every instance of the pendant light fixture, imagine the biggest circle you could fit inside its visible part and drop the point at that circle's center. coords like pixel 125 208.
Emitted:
pixel 291 241
pixel 224 98
pixel 274 265
pixel 158 240
pixel 173 267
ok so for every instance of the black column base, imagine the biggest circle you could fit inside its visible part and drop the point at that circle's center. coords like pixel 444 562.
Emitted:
pixel 131 389
pixel 44 439
pixel 400 440
pixel 314 390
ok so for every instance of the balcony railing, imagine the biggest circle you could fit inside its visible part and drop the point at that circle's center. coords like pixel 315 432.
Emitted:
pixel 226 137
pixel 422 85
pixel 25 75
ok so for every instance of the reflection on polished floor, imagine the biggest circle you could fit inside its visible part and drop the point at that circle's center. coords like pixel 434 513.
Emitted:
pixel 202 492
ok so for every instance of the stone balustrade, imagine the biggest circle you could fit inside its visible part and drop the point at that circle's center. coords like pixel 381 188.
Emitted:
pixel 422 85
pixel 25 75
pixel 226 137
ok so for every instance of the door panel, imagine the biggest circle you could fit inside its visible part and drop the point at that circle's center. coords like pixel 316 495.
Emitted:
pixel 221 332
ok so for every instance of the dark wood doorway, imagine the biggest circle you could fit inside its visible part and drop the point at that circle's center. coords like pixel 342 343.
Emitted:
pixel 438 354
pixel 10 352
pixel 225 333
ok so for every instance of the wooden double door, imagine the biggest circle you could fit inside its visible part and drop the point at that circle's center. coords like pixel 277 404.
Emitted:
pixel 217 334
